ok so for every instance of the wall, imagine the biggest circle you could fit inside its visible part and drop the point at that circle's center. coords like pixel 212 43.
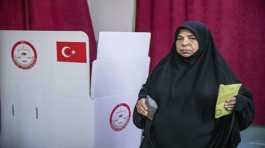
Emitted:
pixel 112 15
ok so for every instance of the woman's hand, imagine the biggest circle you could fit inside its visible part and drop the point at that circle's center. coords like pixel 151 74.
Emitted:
pixel 230 104
pixel 142 107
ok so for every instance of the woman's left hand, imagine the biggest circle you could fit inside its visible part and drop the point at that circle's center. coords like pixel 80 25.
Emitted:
pixel 230 104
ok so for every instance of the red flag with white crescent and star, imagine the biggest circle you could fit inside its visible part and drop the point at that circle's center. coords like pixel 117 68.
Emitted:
pixel 71 52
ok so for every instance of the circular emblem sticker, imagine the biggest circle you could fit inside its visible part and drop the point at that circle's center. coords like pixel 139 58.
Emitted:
pixel 120 117
pixel 24 55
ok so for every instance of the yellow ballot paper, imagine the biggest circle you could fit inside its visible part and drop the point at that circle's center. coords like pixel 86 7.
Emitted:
pixel 225 92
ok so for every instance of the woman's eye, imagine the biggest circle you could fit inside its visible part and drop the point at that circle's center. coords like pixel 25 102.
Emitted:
pixel 179 38
pixel 192 38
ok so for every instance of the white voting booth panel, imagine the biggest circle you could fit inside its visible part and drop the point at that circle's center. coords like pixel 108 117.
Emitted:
pixel 45 99
pixel 118 73
pixel 117 77
pixel 123 45
pixel 112 114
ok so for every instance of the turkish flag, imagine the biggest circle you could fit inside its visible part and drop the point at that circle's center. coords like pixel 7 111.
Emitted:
pixel 71 52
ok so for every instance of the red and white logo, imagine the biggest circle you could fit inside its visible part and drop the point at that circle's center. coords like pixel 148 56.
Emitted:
pixel 71 52
pixel 120 117
pixel 24 55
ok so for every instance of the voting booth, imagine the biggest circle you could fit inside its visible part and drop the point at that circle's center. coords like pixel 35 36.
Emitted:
pixel 45 100
pixel 121 68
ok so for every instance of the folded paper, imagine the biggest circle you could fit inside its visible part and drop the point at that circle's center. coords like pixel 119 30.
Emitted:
pixel 225 92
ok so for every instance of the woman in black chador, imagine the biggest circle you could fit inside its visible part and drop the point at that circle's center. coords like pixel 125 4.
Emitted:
pixel 185 87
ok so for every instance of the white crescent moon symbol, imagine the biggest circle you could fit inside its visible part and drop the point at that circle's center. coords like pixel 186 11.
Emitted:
pixel 63 51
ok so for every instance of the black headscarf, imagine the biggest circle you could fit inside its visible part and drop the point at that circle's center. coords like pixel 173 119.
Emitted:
pixel 186 90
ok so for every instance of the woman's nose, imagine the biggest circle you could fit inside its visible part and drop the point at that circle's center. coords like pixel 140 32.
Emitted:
pixel 185 41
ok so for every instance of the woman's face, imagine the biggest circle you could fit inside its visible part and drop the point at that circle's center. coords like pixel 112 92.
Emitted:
pixel 186 43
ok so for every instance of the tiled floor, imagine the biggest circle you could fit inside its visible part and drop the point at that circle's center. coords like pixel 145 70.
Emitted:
pixel 253 137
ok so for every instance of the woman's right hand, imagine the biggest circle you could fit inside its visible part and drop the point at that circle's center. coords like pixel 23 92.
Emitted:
pixel 142 107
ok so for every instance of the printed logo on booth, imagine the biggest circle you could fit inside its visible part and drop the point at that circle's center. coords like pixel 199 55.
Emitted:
pixel 71 52
pixel 120 117
pixel 24 55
